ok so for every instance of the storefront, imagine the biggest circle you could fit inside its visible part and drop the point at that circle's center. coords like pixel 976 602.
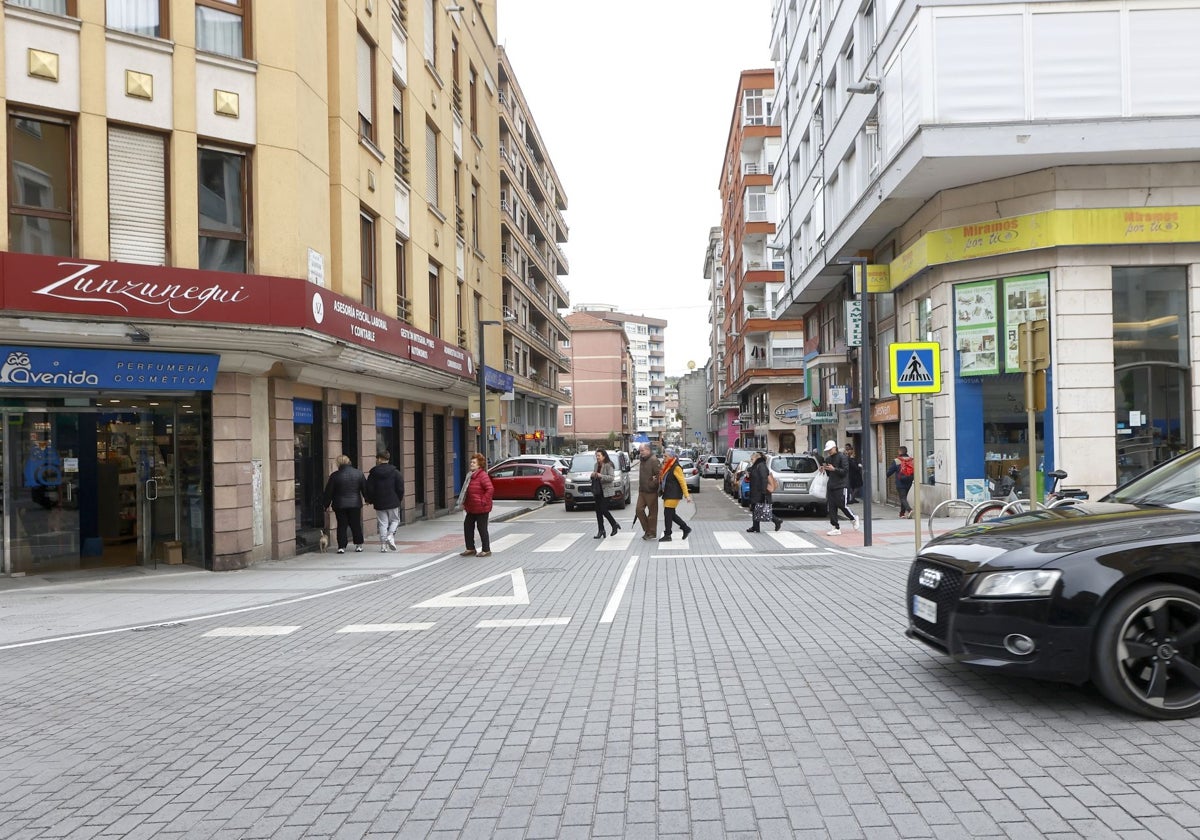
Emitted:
pixel 103 457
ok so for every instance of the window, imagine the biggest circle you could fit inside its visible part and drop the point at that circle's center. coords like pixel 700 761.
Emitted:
pixel 403 301
pixel 221 27
pixel 458 314
pixel 754 112
pixel 399 135
pixel 756 204
pixel 54 7
pixel 224 186
pixel 41 191
pixel 432 191
pixel 366 88
pixel 435 299
pixel 141 17
pixel 430 33
pixel 366 256
pixel 137 196
pixel 473 100
pixel 475 214
pixel 568 419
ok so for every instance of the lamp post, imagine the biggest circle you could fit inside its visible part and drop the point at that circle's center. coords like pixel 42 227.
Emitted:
pixel 864 379
pixel 481 438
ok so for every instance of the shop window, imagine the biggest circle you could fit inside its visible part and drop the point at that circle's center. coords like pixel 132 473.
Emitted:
pixel 224 203
pixel 350 435
pixel 41 191
pixel 141 17
pixel 222 27
pixel 309 455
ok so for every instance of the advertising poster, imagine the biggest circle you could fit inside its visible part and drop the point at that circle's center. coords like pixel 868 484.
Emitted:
pixel 1026 298
pixel 975 328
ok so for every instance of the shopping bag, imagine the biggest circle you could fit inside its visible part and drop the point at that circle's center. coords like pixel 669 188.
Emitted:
pixel 763 512
pixel 819 486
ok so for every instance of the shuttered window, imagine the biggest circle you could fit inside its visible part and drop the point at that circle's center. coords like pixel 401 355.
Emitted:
pixel 366 88
pixel 137 197
pixel 430 33
pixel 432 192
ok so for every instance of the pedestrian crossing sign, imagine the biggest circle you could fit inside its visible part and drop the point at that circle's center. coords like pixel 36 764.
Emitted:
pixel 916 367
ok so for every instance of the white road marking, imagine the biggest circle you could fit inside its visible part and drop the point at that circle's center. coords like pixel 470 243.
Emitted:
pixel 677 544
pixel 610 609
pixel 523 622
pixel 620 542
pixel 387 628
pixel 252 631
pixel 559 542
pixel 732 541
pixel 455 598
pixel 790 539
pixel 507 541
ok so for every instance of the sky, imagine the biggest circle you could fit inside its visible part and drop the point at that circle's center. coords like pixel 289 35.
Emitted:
pixel 634 100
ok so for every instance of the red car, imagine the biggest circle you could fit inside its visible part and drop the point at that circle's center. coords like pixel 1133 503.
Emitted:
pixel 517 480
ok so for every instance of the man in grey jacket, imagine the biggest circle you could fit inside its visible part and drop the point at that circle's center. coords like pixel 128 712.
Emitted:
pixel 647 500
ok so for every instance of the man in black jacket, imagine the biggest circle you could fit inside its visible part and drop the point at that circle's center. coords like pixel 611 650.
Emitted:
pixel 385 490
pixel 837 468
pixel 344 491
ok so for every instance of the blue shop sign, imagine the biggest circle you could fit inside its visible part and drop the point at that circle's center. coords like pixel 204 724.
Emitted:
pixel 497 381
pixel 383 418
pixel 135 370
pixel 302 411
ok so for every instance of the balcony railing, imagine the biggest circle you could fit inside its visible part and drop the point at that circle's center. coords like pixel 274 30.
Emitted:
pixel 775 363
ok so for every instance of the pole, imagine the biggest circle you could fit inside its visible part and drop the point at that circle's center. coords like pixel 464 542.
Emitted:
pixel 481 436
pixel 917 454
pixel 1030 411
pixel 864 376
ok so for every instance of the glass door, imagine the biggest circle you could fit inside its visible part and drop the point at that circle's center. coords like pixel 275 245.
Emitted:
pixel 42 491
pixel 169 456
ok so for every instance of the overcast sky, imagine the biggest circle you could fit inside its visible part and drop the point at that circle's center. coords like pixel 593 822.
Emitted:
pixel 634 99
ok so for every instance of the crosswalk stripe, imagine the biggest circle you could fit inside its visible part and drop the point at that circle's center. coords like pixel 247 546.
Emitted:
pixel 523 622
pixel 790 539
pixel 676 544
pixel 731 541
pixel 507 541
pixel 387 628
pixel 251 631
pixel 620 542
pixel 559 542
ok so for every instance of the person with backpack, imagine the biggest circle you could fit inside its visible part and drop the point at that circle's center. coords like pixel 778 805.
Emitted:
pixel 902 467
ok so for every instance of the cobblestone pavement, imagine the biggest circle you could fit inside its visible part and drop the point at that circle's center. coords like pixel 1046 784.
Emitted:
pixel 736 685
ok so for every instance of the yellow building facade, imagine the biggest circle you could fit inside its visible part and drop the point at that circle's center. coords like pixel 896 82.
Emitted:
pixel 244 237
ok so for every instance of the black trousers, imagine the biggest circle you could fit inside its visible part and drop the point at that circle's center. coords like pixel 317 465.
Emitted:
pixel 471 522
pixel 348 519
pixel 602 512
pixel 671 515
pixel 835 500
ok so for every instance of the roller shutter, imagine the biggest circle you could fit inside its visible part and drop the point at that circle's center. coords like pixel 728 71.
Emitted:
pixel 137 197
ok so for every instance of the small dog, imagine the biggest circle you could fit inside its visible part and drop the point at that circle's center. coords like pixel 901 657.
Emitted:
pixel 324 541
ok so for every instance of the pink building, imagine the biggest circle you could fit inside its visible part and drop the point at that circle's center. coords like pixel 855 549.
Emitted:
pixel 598 409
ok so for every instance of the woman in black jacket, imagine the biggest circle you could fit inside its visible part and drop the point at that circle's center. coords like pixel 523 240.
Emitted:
pixel 760 473
pixel 344 491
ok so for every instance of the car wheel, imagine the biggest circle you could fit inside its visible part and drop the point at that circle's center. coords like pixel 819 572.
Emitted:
pixel 1147 652
pixel 985 512
pixel 544 495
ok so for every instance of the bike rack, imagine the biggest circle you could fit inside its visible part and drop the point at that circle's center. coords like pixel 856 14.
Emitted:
pixel 947 504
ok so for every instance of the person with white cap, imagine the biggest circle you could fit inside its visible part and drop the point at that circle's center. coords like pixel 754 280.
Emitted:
pixel 837 468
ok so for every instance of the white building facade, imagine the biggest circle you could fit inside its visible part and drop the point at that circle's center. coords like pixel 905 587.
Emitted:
pixel 995 164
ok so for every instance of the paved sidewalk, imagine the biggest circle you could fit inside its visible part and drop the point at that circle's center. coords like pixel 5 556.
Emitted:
pixel 80 603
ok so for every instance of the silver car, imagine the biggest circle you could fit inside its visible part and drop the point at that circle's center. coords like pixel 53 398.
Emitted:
pixel 691 474
pixel 793 476
pixel 579 480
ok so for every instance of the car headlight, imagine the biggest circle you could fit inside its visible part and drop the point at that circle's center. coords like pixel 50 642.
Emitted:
pixel 1035 583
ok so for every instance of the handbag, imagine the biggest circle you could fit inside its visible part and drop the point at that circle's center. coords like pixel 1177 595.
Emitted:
pixel 763 512
pixel 820 485
pixel 772 484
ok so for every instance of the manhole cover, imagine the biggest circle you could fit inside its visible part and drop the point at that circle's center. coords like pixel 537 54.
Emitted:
pixel 365 578
pixel 812 568
pixel 167 626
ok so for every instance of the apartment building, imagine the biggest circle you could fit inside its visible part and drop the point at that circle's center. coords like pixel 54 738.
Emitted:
pixel 998 165
pixel 693 409
pixel 244 237
pixel 532 232
pixel 599 385
pixel 760 361
pixel 647 345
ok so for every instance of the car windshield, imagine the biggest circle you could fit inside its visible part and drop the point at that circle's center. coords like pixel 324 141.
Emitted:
pixel 686 463
pixel 1173 484
pixel 583 462
pixel 793 463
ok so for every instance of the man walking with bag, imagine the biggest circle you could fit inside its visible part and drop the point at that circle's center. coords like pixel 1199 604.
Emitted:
pixel 837 468
pixel 647 499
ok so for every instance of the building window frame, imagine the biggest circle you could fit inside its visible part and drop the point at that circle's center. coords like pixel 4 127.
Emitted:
pixel 239 9
pixel 62 8
pixel 403 297
pixel 367 90
pixel 230 232
pixel 31 123
pixel 435 299
pixel 128 10
pixel 367 256
pixel 433 189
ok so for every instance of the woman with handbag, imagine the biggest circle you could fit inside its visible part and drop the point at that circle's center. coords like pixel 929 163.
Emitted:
pixel 762 484
pixel 602 481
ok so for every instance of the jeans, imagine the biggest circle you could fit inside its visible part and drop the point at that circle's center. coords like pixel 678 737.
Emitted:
pixel 348 519
pixel 388 520
pixel 470 523
pixel 902 490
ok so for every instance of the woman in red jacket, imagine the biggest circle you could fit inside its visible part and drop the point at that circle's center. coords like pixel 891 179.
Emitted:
pixel 476 501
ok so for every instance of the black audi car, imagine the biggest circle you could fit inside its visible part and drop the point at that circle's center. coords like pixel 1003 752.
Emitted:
pixel 1105 591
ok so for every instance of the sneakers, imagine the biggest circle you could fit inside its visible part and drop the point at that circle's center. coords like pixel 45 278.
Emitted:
pixel 358 548
pixel 383 548
pixel 470 552
pixel 391 542
pixel 484 554
pixel 665 538
pixel 857 523
pixel 341 551
pixel 834 532
pixel 648 536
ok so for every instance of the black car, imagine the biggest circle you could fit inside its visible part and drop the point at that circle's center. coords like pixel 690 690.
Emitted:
pixel 1104 591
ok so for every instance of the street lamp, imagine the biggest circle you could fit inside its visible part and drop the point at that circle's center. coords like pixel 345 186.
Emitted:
pixel 864 378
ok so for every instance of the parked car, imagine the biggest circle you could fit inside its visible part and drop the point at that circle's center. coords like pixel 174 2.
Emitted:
pixel 793 476
pixel 520 480
pixel 742 477
pixel 579 479
pixel 555 461
pixel 691 474
pixel 1105 591
pixel 734 457
pixel 714 467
